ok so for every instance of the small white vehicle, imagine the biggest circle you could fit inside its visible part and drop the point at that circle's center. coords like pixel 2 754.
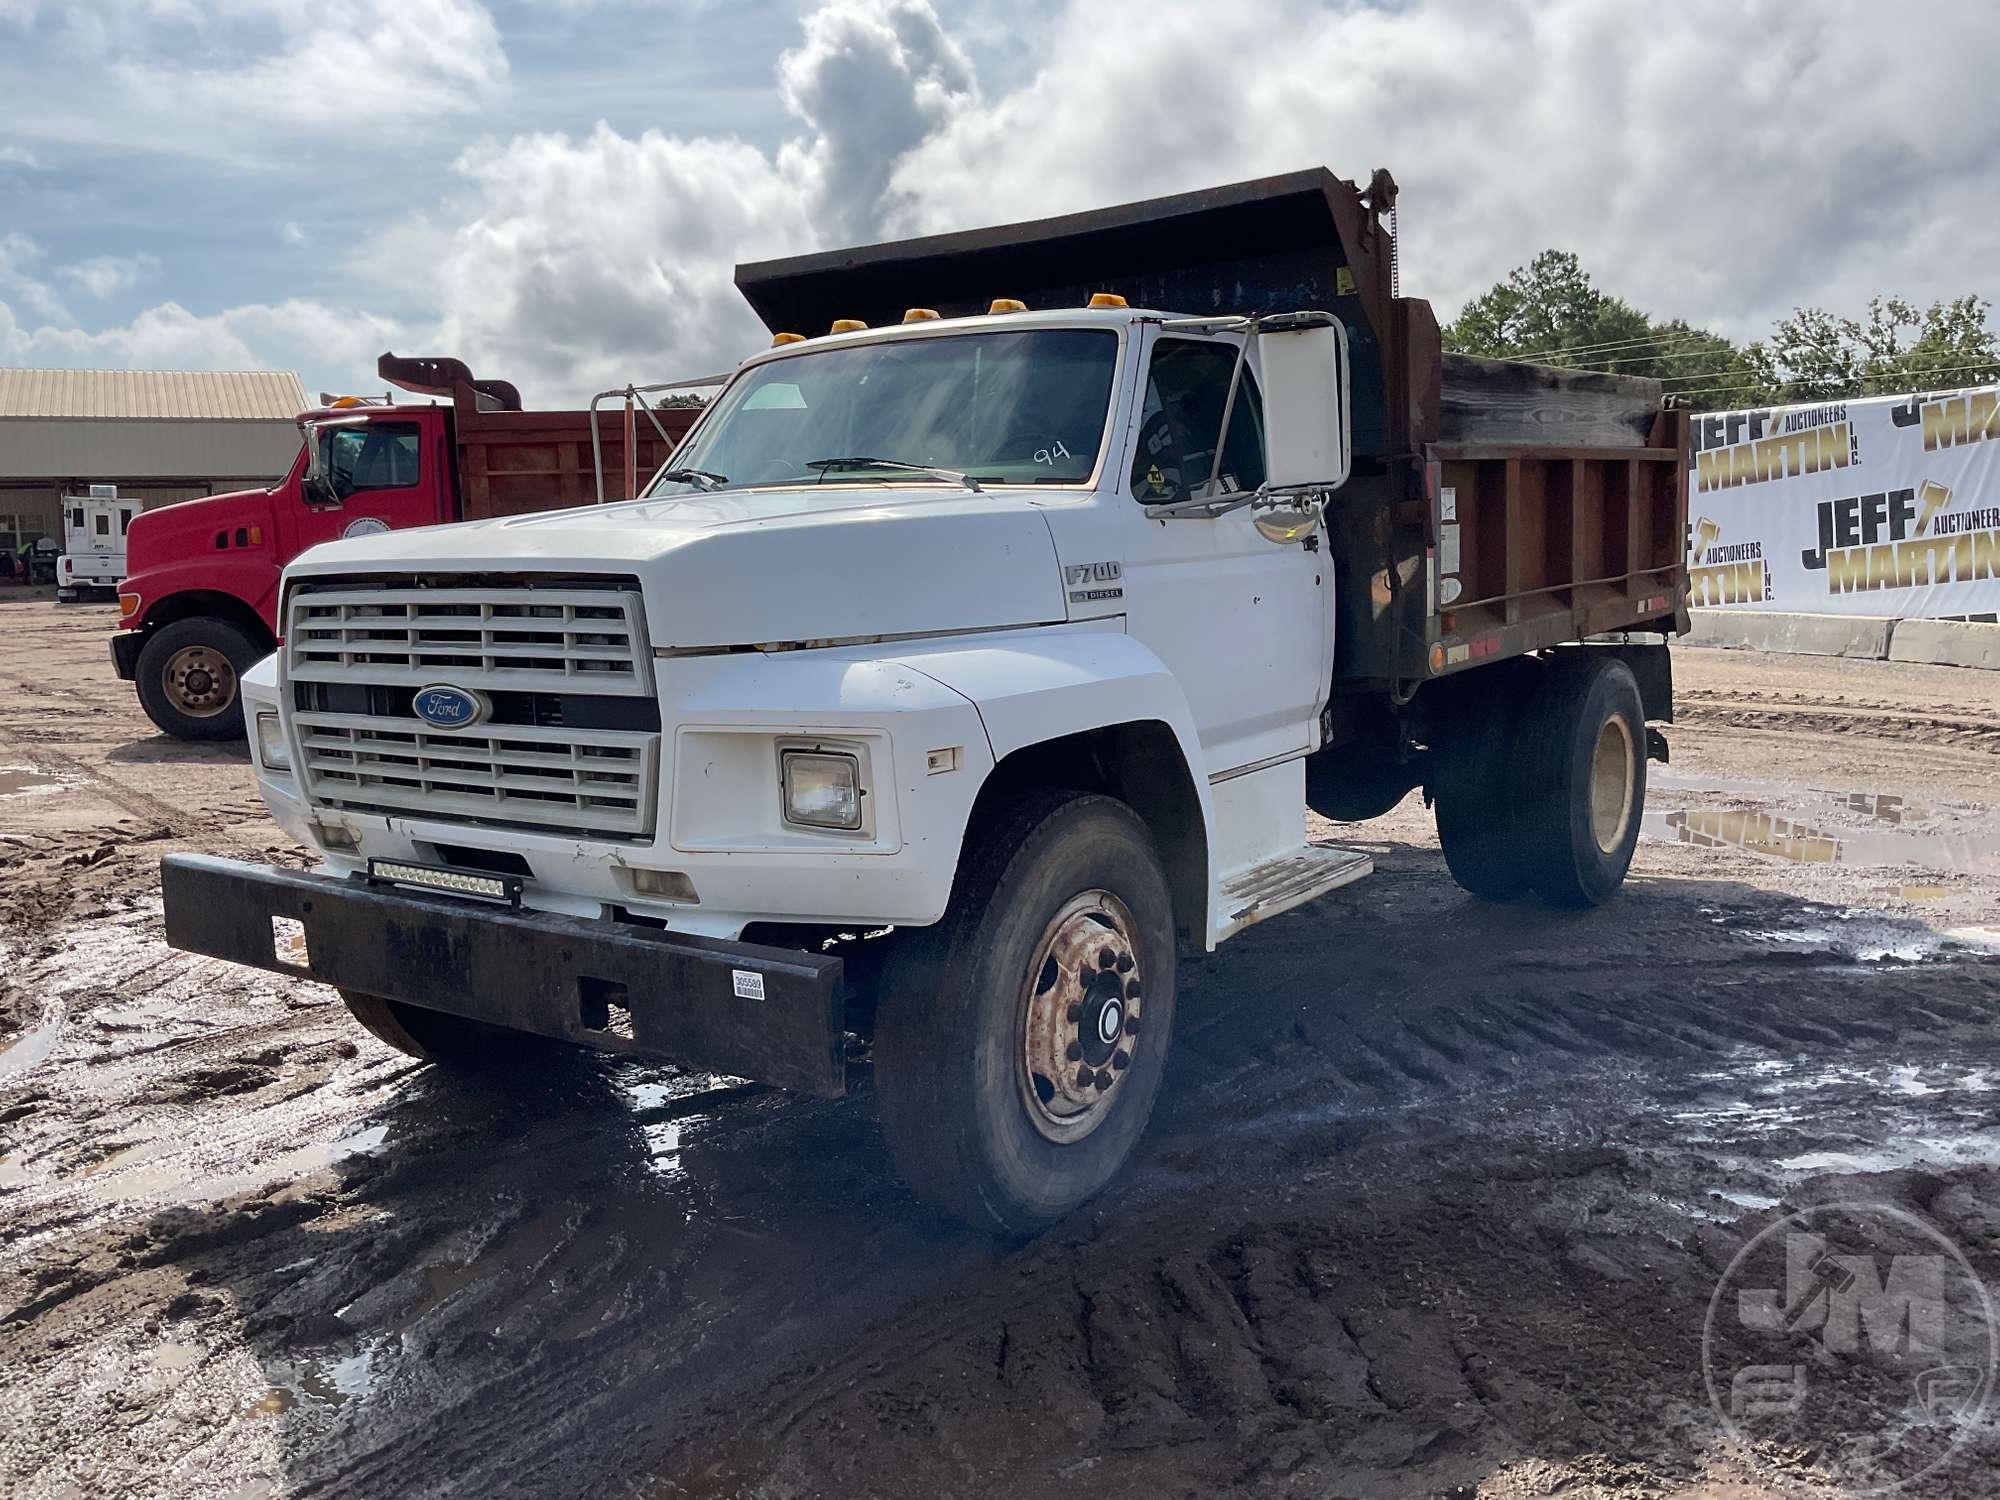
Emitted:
pixel 93 557
pixel 957 674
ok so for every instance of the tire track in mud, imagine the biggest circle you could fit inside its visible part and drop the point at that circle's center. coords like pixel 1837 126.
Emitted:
pixel 1802 713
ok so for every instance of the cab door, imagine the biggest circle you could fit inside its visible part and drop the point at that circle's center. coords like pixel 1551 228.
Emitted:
pixel 379 479
pixel 1237 607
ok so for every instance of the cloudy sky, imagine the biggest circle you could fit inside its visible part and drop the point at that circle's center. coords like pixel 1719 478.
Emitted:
pixel 557 191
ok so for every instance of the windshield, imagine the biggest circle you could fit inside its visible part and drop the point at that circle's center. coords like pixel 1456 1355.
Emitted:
pixel 1003 408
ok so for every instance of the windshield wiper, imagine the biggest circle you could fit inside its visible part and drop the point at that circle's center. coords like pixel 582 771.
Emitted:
pixel 827 466
pixel 701 479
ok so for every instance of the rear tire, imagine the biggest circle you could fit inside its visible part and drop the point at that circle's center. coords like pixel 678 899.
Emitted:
pixel 432 1035
pixel 1054 964
pixel 1580 779
pixel 190 674
pixel 1478 819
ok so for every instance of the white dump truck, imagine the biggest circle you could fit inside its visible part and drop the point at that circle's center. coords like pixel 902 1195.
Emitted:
pixel 978 651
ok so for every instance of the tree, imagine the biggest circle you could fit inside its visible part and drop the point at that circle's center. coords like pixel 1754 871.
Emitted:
pixel 1551 312
pixel 1546 307
pixel 1814 355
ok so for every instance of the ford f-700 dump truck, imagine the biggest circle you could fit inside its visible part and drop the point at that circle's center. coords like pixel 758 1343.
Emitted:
pixel 199 600
pixel 966 664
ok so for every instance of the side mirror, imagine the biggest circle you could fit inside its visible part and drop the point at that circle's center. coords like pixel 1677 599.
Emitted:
pixel 316 486
pixel 1308 408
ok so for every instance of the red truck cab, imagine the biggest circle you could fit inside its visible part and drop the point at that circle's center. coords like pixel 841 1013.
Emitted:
pixel 199 602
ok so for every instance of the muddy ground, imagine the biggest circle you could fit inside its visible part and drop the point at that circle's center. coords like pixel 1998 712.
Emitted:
pixel 1434 1203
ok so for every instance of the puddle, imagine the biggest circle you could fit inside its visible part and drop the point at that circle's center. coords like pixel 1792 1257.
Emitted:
pixel 1969 1149
pixel 165 1175
pixel 32 1045
pixel 1812 826
pixel 25 781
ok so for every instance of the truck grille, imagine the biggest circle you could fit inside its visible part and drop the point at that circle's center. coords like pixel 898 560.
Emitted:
pixel 549 640
pixel 355 659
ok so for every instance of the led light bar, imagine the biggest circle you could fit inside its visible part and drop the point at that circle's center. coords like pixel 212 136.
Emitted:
pixel 505 888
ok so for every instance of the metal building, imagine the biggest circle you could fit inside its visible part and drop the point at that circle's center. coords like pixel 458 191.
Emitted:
pixel 159 435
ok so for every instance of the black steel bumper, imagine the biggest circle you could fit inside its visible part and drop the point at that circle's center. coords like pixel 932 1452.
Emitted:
pixel 125 653
pixel 690 999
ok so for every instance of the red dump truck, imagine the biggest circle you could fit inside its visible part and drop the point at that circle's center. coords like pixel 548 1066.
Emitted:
pixel 199 603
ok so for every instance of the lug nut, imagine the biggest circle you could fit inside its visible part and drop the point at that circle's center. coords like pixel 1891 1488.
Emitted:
pixel 1131 990
pixel 1105 1078
pixel 1121 1059
pixel 1131 1026
pixel 1106 958
pixel 1084 1077
pixel 1075 1012
pixel 1075 1053
pixel 1124 963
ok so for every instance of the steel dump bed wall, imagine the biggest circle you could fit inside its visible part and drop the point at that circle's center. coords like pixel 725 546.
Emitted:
pixel 512 462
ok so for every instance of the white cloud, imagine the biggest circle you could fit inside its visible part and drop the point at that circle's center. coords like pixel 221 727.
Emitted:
pixel 235 77
pixel 19 156
pixel 293 233
pixel 577 264
pixel 106 275
pixel 1720 161
pixel 328 345
pixel 18 254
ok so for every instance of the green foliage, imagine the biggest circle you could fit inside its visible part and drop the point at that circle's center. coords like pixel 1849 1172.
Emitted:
pixel 1550 311
pixel 1814 355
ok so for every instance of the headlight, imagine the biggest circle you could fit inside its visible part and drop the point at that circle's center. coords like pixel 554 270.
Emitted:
pixel 271 747
pixel 822 790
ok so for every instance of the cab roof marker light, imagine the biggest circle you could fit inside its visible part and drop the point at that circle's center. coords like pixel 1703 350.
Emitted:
pixel 921 315
pixel 780 339
pixel 1107 299
pixel 1007 305
pixel 847 325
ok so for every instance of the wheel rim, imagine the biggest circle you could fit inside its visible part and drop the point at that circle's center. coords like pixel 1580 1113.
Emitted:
pixel 199 681
pixel 1611 784
pixel 1080 1016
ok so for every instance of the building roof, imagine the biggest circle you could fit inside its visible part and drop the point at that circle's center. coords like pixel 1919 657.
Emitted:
pixel 129 395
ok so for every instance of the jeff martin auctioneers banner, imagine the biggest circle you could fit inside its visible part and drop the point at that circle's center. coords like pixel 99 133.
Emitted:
pixel 1889 506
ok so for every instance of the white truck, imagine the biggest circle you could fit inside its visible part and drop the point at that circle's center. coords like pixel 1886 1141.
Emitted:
pixel 93 556
pixel 963 666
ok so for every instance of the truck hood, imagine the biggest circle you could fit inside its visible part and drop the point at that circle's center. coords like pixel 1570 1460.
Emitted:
pixel 190 528
pixel 750 567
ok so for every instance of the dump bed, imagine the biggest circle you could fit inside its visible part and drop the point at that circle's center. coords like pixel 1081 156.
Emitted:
pixel 511 461
pixel 1558 495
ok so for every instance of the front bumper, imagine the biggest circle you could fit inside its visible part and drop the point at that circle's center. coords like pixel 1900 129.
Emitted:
pixel 125 654
pixel 556 976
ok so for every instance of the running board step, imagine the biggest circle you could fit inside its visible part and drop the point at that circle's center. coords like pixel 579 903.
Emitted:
pixel 1280 884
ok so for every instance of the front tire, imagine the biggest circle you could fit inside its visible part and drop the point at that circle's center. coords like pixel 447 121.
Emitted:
pixel 433 1035
pixel 189 675
pixel 1020 1042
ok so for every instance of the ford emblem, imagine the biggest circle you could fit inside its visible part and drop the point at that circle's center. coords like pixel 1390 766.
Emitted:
pixel 445 707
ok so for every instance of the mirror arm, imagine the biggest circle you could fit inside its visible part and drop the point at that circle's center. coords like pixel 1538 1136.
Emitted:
pixel 1229 402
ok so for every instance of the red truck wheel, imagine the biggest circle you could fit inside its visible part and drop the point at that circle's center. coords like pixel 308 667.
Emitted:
pixel 188 675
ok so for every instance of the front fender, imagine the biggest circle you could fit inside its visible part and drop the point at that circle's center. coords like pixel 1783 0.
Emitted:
pixel 1034 686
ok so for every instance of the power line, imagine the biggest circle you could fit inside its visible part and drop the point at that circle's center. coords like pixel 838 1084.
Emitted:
pixel 1614 344
pixel 1989 366
pixel 1603 367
